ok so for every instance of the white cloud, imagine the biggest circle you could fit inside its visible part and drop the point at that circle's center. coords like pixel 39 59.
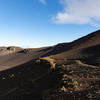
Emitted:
pixel 95 25
pixel 79 12
pixel 43 2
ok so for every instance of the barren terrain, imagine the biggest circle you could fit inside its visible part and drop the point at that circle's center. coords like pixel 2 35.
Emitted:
pixel 67 71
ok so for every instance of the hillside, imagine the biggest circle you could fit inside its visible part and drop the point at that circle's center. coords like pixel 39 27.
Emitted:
pixel 67 70
pixel 86 41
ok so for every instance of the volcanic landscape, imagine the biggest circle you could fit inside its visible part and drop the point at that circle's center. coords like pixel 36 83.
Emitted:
pixel 66 71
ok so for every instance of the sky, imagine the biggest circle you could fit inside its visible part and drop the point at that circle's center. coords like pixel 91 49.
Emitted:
pixel 37 23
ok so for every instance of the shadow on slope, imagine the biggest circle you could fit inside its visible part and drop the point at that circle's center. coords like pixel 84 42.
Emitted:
pixel 93 55
pixel 26 82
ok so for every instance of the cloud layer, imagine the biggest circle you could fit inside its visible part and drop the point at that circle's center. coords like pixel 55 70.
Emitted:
pixel 79 12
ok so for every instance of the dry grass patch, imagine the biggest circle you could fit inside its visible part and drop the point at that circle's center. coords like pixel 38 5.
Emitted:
pixel 48 60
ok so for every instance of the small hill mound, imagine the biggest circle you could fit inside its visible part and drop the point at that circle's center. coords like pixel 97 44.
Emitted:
pixel 7 50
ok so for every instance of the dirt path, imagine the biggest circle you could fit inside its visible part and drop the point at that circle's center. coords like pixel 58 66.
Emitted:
pixel 83 64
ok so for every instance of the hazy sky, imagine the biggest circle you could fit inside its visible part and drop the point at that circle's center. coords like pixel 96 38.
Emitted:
pixel 36 23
